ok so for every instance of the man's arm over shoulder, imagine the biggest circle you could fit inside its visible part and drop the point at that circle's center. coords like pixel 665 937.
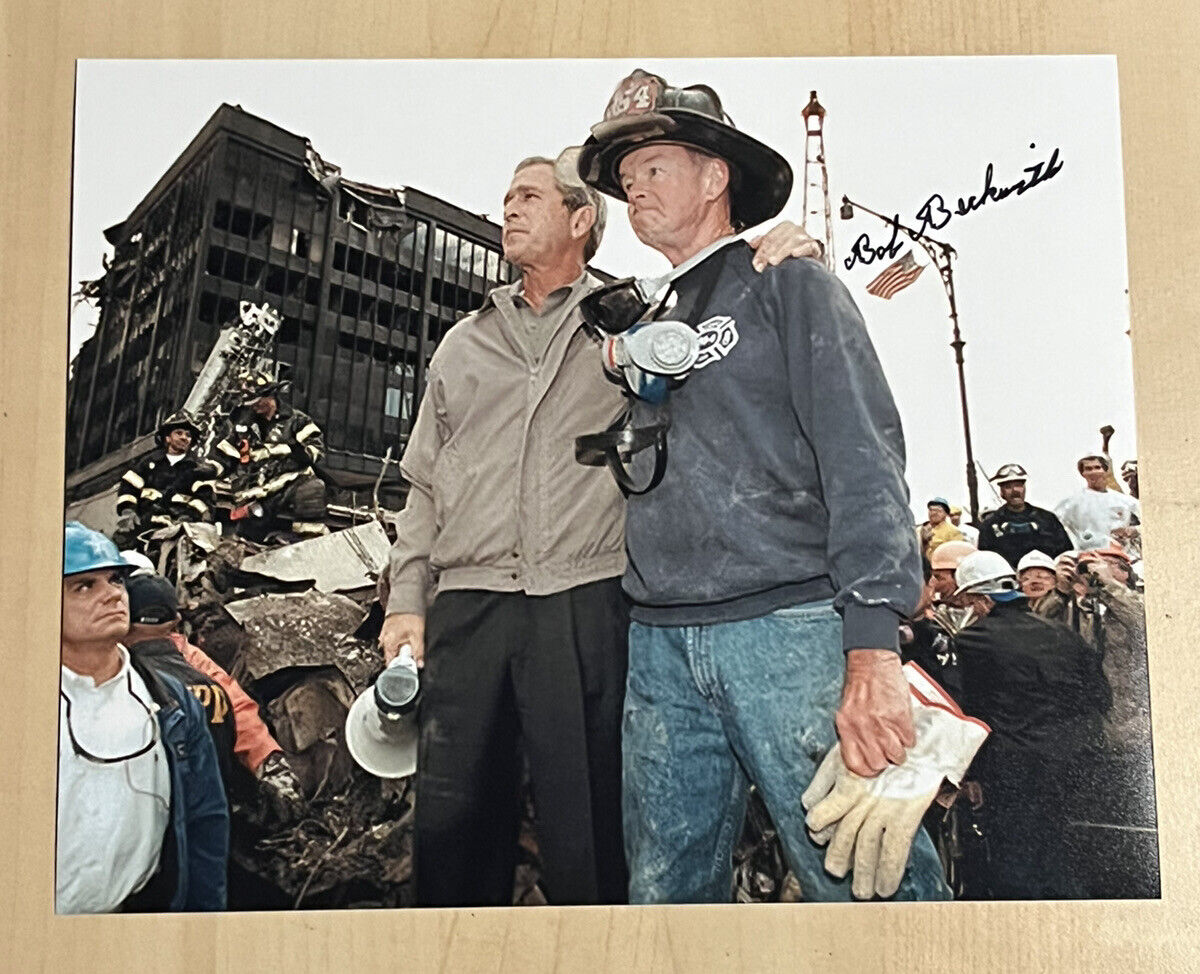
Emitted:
pixel 845 408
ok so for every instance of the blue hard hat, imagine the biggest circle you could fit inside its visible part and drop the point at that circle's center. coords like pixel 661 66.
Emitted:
pixel 85 550
pixel 940 502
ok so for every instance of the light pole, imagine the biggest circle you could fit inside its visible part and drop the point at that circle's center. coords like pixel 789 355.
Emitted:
pixel 942 255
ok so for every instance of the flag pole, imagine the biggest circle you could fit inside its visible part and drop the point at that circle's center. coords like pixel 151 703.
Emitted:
pixel 942 256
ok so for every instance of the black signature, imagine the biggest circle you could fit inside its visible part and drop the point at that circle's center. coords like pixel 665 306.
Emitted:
pixel 934 214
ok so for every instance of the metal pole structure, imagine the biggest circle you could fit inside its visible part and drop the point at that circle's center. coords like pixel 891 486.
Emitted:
pixel 942 255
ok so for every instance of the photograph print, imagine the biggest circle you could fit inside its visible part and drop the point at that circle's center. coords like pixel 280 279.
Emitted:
pixel 600 482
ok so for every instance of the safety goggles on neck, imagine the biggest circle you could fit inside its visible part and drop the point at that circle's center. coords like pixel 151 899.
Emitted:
pixel 87 755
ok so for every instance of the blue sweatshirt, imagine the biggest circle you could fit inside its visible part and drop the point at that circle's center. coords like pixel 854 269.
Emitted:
pixel 785 473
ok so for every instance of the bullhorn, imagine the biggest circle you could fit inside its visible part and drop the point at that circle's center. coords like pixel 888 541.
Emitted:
pixel 381 728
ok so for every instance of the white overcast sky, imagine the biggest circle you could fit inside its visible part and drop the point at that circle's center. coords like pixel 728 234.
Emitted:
pixel 1041 278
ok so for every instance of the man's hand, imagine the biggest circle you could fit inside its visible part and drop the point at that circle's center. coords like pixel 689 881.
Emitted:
pixel 281 788
pixel 400 628
pixel 1101 570
pixel 874 721
pixel 1065 576
pixel 782 241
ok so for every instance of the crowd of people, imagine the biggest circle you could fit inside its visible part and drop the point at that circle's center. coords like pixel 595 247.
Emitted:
pixel 733 613
pixel 1039 630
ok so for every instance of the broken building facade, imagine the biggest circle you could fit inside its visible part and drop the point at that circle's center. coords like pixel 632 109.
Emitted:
pixel 367 280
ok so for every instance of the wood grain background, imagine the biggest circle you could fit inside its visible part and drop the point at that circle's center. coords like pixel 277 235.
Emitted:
pixel 1157 50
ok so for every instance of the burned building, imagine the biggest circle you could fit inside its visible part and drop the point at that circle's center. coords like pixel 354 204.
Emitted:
pixel 367 280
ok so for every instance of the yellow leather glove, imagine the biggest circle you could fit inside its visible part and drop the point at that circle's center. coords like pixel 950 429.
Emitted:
pixel 869 823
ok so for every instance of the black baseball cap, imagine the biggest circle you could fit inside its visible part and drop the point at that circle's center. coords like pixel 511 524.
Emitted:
pixel 152 600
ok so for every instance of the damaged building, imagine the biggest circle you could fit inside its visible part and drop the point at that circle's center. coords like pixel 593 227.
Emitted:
pixel 367 280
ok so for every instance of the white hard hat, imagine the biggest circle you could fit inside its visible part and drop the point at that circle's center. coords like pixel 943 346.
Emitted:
pixel 985 573
pixel 1009 472
pixel 142 564
pixel 1035 559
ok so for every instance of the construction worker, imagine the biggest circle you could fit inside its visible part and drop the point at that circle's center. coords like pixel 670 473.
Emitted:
pixel 1097 514
pixel 1018 527
pixel 1095 597
pixel 1041 690
pixel 943 564
pixel 157 491
pixel 939 528
pixel 267 456
pixel 1037 576
pixel 1129 474
pixel 142 819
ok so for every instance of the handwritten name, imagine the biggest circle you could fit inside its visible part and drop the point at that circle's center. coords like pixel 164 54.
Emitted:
pixel 934 214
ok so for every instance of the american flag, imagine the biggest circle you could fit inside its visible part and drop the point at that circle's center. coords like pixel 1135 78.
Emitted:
pixel 897 277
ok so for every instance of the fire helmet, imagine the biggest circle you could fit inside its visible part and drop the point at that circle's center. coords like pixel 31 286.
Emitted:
pixel 181 419
pixel 645 109
pixel 254 383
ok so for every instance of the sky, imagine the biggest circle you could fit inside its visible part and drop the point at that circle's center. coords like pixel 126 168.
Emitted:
pixel 1040 277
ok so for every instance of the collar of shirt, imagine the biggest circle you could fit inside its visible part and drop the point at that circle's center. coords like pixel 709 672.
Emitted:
pixel 653 285
pixel 512 293
pixel 81 682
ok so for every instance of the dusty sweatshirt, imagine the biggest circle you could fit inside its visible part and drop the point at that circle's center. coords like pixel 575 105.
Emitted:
pixel 785 472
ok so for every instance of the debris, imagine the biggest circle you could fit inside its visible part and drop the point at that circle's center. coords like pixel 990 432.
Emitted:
pixel 304 654
pixel 324 855
pixel 337 562
pixel 306 629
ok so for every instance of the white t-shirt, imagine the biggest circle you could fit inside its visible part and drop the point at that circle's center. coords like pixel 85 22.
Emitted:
pixel 1091 516
pixel 111 817
pixel 174 458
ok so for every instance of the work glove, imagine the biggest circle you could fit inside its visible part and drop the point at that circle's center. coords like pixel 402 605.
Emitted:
pixel 869 823
pixel 281 788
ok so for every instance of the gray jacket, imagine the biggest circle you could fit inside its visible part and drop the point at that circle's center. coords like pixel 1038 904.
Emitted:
pixel 498 501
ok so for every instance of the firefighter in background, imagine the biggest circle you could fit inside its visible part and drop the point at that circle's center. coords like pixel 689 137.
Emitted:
pixel 157 491
pixel 267 456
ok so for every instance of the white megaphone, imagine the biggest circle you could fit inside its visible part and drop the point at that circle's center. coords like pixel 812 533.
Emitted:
pixel 381 728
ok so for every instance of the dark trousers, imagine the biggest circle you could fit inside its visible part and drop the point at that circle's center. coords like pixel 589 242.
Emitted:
pixel 548 672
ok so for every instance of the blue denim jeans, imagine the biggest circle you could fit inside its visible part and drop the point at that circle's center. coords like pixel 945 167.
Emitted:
pixel 711 709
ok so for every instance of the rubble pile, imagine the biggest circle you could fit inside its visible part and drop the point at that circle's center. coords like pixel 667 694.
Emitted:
pixel 296 626
pixel 295 646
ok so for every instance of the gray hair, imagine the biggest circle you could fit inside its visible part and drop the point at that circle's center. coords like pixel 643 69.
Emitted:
pixel 576 194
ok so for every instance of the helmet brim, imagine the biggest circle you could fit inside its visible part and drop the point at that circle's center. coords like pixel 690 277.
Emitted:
pixel 761 178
